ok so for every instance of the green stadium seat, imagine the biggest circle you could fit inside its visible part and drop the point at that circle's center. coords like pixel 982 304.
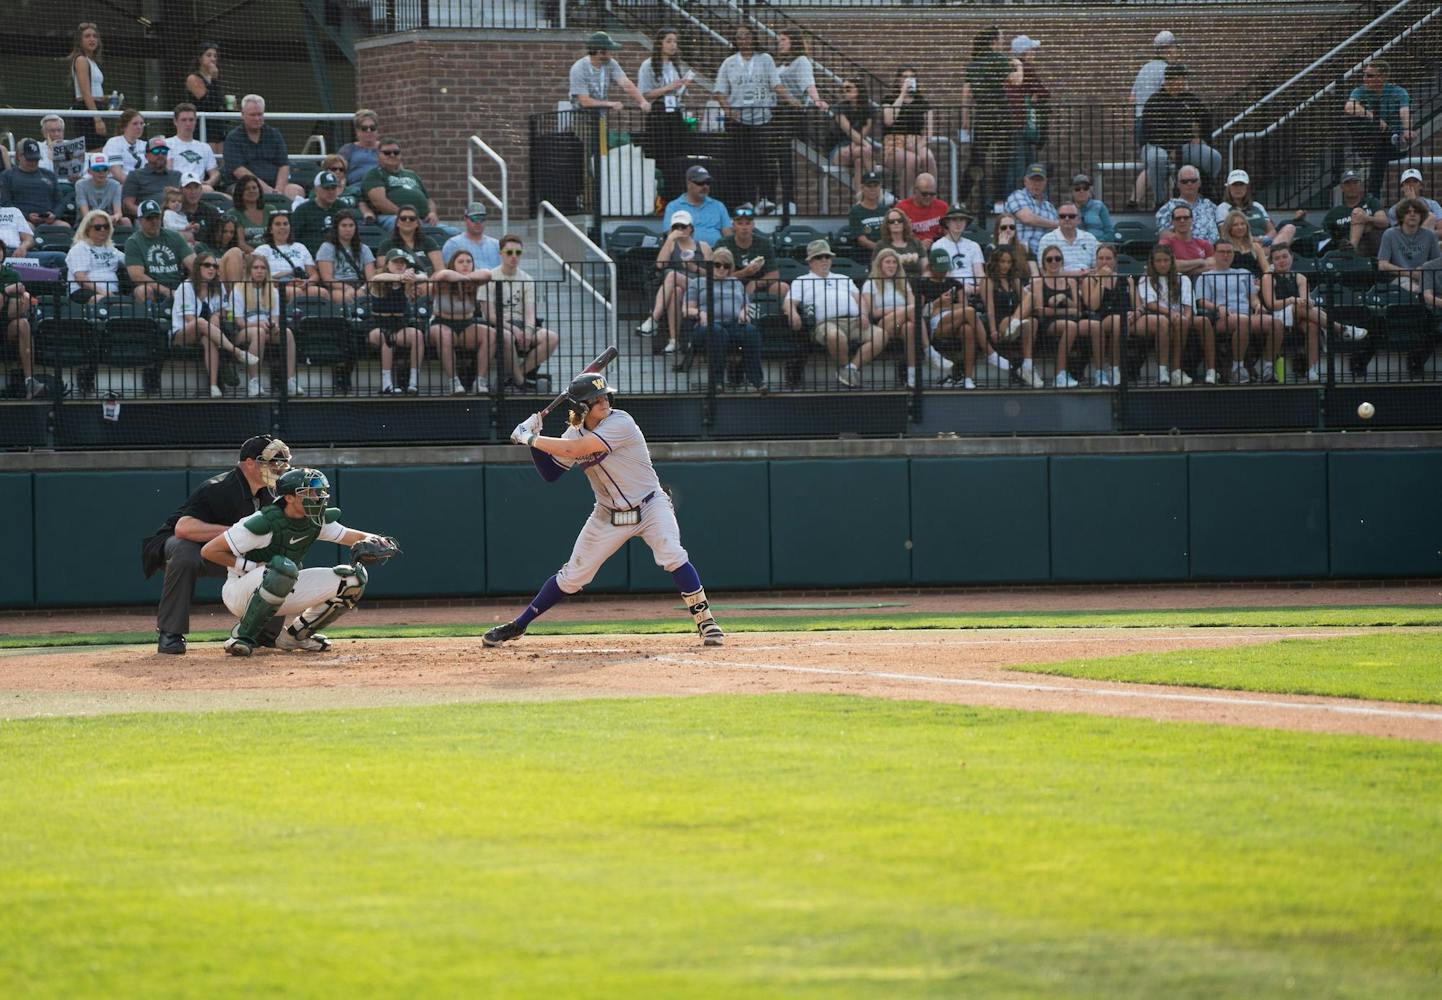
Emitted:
pixel 791 241
pixel 52 237
pixel 1135 238
pixel 322 330
pixel 133 335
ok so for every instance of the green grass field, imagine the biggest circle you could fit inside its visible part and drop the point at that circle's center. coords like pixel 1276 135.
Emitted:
pixel 728 846
pixel 1393 666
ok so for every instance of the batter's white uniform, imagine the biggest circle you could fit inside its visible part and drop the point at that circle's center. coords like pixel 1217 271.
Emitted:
pixel 311 587
pixel 623 478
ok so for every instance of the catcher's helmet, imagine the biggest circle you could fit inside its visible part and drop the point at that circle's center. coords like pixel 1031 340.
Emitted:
pixel 313 489
pixel 584 390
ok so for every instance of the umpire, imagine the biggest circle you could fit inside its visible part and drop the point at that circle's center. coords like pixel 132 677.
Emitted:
pixel 215 505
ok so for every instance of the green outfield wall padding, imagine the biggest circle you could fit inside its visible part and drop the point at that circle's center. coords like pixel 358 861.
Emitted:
pixel 725 520
pixel 1258 516
pixel 88 530
pixel 1119 518
pixel 531 526
pixel 1384 513
pixel 840 523
pixel 17 536
pixel 979 520
pixel 433 512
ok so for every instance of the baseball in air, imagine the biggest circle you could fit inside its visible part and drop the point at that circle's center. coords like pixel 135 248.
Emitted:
pixel 1365 410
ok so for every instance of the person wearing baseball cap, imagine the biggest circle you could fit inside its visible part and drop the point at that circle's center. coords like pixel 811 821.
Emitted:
pixel 1034 213
pixel 1412 188
pixel 1173 119
pixel 966 260
pixel 33 191
pixel 98 190
pixel 215 505
pixel 831 303
pixel 156 258
pixel 151 180
pixel 1096 218
pixel 1238 198
pixel 310 221
pixel 1148 82
pixel 674 260
pixel 753 254
pixel 594 74
pixel 485 250
pixel 708 214
pixel 867 214
pixel 1357 220
pixel 1378 115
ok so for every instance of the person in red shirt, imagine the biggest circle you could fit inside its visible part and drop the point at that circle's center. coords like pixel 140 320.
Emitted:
pixel 1192 254
pixel 924 210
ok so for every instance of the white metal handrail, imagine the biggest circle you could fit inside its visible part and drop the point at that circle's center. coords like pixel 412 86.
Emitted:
pixel 204 117
pixel 607 300
pixel 1314 64
pixel 1323 92
pixel 473 183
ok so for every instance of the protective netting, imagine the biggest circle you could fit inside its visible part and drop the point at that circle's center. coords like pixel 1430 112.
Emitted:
pixel 1311 119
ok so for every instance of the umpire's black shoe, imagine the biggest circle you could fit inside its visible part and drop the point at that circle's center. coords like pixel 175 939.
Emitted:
pixel 170 642
pixel 503 633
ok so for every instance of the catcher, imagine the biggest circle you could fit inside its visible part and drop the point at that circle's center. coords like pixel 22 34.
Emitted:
pixel 609 447
pixel 264 554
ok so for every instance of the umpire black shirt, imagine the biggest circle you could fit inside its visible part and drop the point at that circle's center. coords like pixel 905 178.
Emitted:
pixel 222 499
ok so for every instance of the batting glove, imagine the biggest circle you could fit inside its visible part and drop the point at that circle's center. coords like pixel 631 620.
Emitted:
pixel 522 432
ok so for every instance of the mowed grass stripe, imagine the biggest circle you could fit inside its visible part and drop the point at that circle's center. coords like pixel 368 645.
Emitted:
pixel 796 845
pixel 1303 617
pixel 1388 667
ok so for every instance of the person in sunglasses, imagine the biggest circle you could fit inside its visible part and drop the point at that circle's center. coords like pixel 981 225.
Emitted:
pixel 390 188
pixel 707 214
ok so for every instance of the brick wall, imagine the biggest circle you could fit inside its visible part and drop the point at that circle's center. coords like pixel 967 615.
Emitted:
pixel 435 88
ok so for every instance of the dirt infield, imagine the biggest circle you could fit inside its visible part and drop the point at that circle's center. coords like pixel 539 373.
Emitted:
pixel 953 666
pixel 605 607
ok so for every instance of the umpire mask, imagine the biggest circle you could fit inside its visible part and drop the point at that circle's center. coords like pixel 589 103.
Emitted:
pixel 274 462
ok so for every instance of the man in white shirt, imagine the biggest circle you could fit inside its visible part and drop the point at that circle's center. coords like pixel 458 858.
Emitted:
pixel 593 74
pixel 188 155
pixel 1078 247
pixel 833 304
pixel 1149 80
pixel 747 87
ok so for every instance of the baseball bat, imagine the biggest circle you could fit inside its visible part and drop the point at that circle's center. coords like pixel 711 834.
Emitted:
pixel 602 360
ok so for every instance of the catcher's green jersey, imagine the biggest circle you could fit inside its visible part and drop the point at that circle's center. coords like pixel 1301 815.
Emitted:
pixel 269 533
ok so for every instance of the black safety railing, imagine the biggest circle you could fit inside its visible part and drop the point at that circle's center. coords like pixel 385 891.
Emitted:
pixel 620 164
pixel 1334 324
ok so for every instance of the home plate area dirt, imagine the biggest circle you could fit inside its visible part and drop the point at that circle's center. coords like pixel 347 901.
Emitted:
pixel 953 666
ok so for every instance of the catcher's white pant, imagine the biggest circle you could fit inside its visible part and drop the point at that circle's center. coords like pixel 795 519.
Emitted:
pixel 599 540
pixel 312 587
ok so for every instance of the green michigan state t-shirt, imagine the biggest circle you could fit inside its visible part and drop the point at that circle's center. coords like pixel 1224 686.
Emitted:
pixel 760 247
pixel 403 187
pixel 867 221
pixel 160 255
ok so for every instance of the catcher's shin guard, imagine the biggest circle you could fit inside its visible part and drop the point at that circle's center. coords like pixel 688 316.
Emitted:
pixel 277 581
pixel 706 627
pixel 303 633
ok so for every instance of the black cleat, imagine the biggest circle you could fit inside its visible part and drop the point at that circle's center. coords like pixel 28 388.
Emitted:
pixel 171 642
pixel 503 633
pixel 711 634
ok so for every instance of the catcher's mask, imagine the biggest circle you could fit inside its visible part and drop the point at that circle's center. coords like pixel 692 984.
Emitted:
pixel 584 390
pixel 313 489
pixel 271 455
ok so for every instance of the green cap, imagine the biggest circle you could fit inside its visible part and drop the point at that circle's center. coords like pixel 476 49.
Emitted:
pixel 148 208
pixel 601 40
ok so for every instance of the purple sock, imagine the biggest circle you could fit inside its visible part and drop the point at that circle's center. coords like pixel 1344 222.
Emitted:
pixel 548 595
pixel 687 579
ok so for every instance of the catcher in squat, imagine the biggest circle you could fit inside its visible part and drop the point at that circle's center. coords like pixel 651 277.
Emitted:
pixel 609 447
pixel 265 552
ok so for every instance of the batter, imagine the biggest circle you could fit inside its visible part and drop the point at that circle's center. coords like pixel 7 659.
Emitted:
pixel 609 448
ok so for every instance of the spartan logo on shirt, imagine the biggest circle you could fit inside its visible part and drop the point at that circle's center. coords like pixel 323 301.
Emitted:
pixel 105 258
pixel 402 181
pixel 160 259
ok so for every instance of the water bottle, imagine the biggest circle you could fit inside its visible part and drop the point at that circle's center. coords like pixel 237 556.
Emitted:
pixel 115 99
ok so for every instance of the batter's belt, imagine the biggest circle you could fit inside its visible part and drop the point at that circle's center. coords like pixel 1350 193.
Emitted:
pixel 622 516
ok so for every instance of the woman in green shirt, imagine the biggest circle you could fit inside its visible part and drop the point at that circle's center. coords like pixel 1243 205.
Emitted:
pixel 249 213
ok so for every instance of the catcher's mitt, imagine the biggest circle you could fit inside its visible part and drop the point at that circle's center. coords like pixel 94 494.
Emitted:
pixel 374 550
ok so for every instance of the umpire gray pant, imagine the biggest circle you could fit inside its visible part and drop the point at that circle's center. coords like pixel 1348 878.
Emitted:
pixel 183 566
